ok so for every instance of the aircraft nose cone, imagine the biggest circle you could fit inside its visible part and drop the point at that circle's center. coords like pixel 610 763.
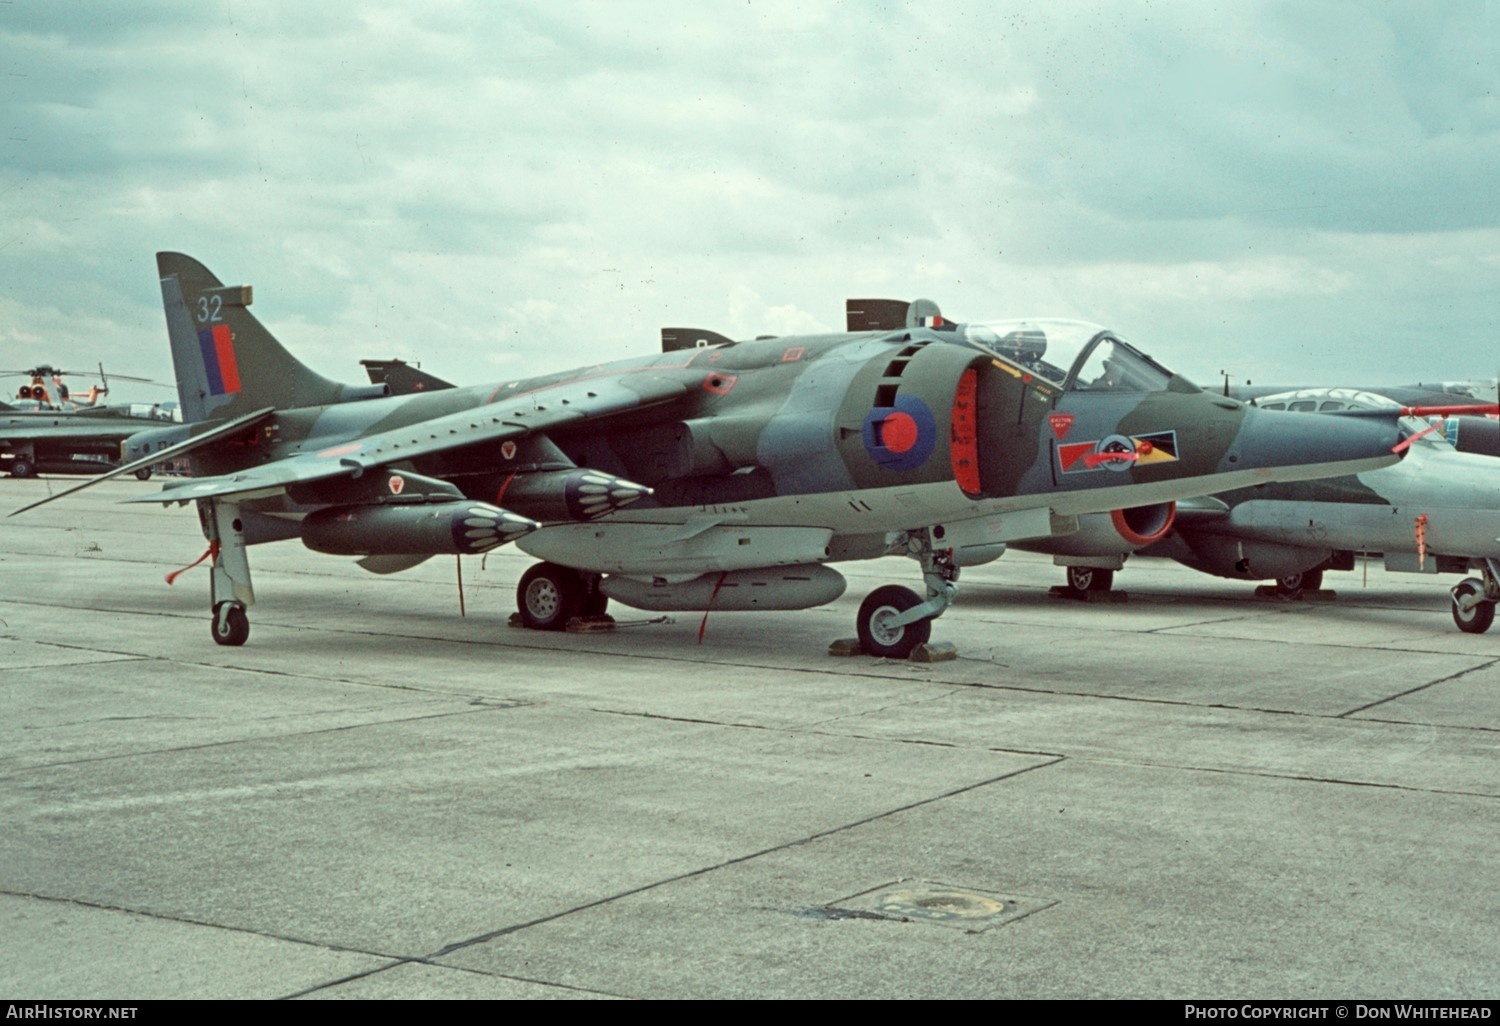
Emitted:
pixel 1318 445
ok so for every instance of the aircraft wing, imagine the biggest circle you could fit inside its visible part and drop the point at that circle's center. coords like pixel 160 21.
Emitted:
pixel 511 417
pixel 254 483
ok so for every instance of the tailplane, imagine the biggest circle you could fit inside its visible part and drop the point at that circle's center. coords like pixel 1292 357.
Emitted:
pixel 227 363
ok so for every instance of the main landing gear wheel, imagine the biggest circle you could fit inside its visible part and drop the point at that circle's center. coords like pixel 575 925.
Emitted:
pixel 879 639
pixel 230 624
pixel 144 474
pixel 1087 578
pixel 1292 585
pixel 549 596
pixel 1477 618
pixel 22 468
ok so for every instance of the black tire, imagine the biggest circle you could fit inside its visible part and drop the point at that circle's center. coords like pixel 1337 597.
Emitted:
pixel 1292 585
pixel 594 601
pixel 1478 619
pixel 887 643
pixel 22 468
pixel 233 627
pixel 144 474
pixel 548 596
pixel 1087 578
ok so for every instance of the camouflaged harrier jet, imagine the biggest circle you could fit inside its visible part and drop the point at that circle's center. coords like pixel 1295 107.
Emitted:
pixel 717 474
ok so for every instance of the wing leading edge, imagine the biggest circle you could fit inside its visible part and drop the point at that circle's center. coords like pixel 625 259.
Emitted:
pixel 510 418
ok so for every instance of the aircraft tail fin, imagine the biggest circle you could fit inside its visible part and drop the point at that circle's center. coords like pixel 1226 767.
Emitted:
pixel 402 378
pixel 675 339
pixel 227 363
pixel 891 314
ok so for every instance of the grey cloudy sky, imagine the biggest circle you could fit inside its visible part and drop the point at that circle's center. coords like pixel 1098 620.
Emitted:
pixel 1301 190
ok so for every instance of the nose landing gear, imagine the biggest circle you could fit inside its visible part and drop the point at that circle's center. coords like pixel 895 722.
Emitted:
pixel 1474 600
pixel 230 592
pixel 230 624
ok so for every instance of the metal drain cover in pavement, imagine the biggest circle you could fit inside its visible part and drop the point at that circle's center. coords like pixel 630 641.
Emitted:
pixel 921 901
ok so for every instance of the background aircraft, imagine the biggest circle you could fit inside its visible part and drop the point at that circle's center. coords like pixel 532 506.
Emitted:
pixel 718 474
pixel 84 441
pixel 1438 511
pixel 49 430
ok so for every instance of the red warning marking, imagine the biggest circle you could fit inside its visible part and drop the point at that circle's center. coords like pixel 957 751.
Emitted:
pixel 793 354
pixel 1060 423
pixel 508 449
pixel 1071 454
pixel 396 483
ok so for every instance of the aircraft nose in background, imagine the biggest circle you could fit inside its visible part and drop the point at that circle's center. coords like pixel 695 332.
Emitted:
pixel 1325 445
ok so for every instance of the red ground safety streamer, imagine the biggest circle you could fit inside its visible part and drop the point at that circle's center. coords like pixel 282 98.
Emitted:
pixel 211 554
pixel 1405 443
pixel 500 495
pixel 704 625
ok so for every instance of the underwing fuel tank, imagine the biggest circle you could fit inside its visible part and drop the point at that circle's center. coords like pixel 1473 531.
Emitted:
pixel 424 529
pixel 786 587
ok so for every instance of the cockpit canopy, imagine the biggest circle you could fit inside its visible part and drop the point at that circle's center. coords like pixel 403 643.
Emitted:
pixel 1324 400
pixel 1075 355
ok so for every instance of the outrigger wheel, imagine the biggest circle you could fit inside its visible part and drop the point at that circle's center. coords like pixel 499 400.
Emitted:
pixel 230 624
pixel 877 637
pixel 1473 612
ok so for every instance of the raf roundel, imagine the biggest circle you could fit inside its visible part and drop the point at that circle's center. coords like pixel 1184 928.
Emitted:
pixel 900 437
